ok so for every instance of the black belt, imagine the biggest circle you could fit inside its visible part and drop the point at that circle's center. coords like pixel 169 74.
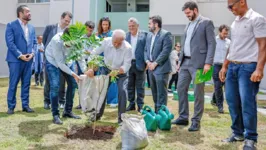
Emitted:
pixel 187 57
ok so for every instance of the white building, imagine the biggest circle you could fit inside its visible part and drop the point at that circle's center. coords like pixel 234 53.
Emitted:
pixel 119 11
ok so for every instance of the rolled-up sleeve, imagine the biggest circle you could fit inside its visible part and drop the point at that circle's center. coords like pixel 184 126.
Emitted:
pixel 99 49
pixel 127 60
pixel 58 53
pixel 259 29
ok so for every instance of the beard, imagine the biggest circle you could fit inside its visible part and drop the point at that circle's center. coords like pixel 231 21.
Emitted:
pixel 152 29
pixel 193 17
pixel 27 18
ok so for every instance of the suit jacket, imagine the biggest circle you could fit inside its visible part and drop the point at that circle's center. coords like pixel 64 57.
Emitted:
pixel 49 32
pixel 140 48
pixel 202 44
pixel 162 48
pixel 16 41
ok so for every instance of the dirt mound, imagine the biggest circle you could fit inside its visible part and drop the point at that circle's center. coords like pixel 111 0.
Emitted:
pixel 86 133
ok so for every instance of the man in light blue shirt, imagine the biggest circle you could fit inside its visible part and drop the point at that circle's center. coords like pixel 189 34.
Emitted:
pixel 56 53
pixel 190 29
pixel 222 45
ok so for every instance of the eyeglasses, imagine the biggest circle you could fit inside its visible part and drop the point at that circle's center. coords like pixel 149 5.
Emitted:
pixel 177 46
pixel 230 7
pixel 105 18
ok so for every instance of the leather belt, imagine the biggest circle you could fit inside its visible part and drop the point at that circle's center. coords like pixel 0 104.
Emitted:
pixel 239 62
pixel 187 57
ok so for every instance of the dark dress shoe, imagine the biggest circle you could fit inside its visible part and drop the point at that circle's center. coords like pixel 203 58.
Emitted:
pixel 131 107
pixel 46 106
pixel 233 138
pixel 249 145
pixel 195 126
pixel 57 120
pixel 220 110
pixel 180 122
pixel 28 110
pixel 71 115
pixel 78 107
pixel 10 111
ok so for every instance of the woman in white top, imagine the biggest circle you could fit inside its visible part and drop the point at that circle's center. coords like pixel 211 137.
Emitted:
pixel 174 61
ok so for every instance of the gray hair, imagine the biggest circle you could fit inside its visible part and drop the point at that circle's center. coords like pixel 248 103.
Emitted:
pixel 132 19
pixel 119 33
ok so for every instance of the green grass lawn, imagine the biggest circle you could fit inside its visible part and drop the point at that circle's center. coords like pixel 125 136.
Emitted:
pixel 36 131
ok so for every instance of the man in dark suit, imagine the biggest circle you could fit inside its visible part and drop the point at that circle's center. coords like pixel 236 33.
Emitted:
pixel 137 39
pixel 21 41
pixel 197 52
pixel 158 49
pixel 49 32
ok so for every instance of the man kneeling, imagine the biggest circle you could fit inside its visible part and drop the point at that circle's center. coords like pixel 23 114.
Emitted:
pixel 56 54
pixel 117 56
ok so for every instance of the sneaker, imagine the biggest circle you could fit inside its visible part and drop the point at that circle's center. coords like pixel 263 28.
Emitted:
pixel 249 145
pixel 233 138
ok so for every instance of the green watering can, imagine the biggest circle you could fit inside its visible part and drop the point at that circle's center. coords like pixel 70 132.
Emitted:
pixel 164 118
pixel 150 118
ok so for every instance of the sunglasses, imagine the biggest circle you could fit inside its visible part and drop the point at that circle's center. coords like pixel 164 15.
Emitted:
pixel 105 18
pixel 177 46
pixel 230 7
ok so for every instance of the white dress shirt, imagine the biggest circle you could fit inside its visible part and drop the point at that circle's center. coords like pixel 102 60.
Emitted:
pixel 115 58
pixel 152 42
pixel 134 41
pixel 25 30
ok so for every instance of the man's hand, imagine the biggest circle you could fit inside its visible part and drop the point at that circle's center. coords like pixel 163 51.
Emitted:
pixel 90 73
pixel 148 65
pixel 23 57
pixel 207 67
pixel 29 56
pixel 153 66
pixel 121 71
pixel 41 50
pixel 257 75
pixel 222 74
pixel 76 77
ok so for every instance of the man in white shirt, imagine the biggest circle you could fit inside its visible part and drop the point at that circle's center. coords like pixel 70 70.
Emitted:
pixel 222 45
pixel 244 70
pixel 136 80
pixel 117 57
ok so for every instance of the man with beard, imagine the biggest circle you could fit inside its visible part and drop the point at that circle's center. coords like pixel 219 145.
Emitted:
pixel 20 41
pixel 243 67
pixel 197 52
pixel 49 32
pixel 157 52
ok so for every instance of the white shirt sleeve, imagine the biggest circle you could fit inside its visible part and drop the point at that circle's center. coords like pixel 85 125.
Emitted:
pixel 99 49
pixel 259 27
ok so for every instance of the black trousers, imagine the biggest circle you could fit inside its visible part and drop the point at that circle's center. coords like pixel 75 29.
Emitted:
pixel 174 79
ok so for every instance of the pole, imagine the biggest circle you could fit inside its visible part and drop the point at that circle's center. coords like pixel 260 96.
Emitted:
pixel 73 11
pixel 96 12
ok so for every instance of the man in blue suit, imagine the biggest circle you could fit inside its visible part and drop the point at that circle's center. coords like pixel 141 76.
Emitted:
pixel 158 49
pixel 137 39
pixel 20 40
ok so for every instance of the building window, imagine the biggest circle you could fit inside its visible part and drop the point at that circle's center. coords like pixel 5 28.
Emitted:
pixel 127 5
pixel 33 1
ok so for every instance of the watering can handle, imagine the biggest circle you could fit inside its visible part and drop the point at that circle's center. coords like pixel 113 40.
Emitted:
pixel 148 108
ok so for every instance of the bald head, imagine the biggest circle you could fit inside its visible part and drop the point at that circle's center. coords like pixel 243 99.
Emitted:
pixel 118 37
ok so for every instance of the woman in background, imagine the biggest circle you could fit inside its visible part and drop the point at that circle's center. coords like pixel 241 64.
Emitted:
pixel 104 28
pixel 174 62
